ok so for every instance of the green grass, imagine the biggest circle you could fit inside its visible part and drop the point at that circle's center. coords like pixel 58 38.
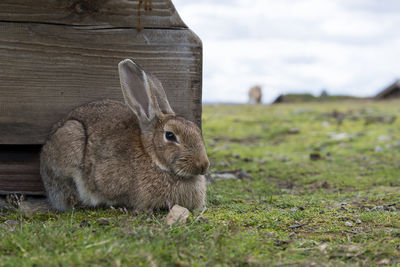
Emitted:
pixel 340 209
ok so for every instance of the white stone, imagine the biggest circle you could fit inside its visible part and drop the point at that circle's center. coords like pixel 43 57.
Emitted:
pixel 339 136
pixel 383 138
pixel 348 224
pixel 177 215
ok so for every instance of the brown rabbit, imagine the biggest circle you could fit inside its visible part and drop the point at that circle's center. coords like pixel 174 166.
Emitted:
pixel 140 155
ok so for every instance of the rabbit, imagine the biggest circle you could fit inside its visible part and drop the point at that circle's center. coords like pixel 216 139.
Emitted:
pixel 136 154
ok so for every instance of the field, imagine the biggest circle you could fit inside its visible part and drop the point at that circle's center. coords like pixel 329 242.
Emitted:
pixel 291 184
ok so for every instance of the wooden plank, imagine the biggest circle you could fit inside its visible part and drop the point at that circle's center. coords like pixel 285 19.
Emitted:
pixel 19 170
pixel 105 13
pixel 23 183
pixel 46 70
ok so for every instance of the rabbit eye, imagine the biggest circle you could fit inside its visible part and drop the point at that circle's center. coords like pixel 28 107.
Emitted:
pixel 170 136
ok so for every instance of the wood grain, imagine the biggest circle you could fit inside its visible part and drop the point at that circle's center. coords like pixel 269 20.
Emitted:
pixel 100 13
pixel 58 54
pixel 47 70
pixel 19 169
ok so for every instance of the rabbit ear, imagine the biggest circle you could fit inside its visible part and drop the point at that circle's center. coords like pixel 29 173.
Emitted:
pixel 159 92
pixel 142 92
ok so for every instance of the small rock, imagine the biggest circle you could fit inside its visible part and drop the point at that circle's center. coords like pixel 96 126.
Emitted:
pixel 358 221
pixel 177 215
pixel 103 221
pixel 230 174
pixel 325 123
pixel 348 224
pixel 383 138
pixel 384 262
pixel 293 131
pixel 243 175
pixel 350 248
pixel 325 185
pixel 84 223
pixel 223 176
pixel 323 247
pixel 315 156
pixel 379 208
pixel 280 243
pixel 247 159
pixel 339 136
pixel 378 149
pixel 223 164
pixel 296 226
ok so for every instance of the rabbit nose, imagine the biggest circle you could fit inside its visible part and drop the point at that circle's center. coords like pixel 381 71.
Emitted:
pixel 203 166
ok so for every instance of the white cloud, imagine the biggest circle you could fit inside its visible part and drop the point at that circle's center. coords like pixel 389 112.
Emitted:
pixel 348 47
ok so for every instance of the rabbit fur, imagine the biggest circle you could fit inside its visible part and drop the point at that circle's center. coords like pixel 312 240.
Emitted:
pixel 111 153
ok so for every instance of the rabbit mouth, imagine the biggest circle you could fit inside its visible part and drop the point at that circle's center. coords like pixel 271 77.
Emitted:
pixel 183 172
pixel 186 173
pixel 187 167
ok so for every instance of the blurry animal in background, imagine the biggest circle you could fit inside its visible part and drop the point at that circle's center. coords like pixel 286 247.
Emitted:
pixel 324 94
pixel 255 95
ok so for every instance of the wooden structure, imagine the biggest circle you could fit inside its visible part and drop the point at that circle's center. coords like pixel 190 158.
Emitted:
pixel 392 91
pixel 56 55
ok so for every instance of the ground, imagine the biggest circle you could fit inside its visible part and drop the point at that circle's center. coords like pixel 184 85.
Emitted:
pixel 314 184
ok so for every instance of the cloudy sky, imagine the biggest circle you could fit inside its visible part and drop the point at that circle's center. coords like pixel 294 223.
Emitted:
pixel 344 46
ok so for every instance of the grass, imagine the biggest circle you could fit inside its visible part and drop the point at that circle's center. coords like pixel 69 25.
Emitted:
pixel 321 187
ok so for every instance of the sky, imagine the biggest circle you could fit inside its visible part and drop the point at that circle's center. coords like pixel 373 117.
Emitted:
pixel 347 47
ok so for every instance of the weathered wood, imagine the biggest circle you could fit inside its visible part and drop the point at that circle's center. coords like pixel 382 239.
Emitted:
pixel 46 70
pixel 105 13
pixel 19 169
pixel 56 55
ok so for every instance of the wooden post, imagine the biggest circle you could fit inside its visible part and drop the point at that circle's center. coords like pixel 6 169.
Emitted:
pixel 56 55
